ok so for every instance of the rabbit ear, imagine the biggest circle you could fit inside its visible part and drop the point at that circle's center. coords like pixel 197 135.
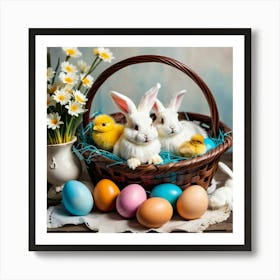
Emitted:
pixel 158 106
pixel 177 99
pixel 124 103
pixel 147 101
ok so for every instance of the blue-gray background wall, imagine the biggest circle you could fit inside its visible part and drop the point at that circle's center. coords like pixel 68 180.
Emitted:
pixel 213 65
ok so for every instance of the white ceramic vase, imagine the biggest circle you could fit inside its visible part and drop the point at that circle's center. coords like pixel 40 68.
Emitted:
pixel 62 165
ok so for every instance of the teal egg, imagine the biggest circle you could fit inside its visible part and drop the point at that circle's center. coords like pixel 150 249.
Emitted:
pixel 77 198
pixel 210 144
pixel 168 191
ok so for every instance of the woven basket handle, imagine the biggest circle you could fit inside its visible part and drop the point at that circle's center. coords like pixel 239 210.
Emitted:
pixel 161 59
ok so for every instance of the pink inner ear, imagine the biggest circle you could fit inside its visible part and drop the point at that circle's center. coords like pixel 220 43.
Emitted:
pixel 155 106
pixel 121 103
pixel 151 100
pixel 179 100
pixel 175 103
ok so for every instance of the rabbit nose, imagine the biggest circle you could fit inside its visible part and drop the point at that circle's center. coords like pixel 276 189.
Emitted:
pixel 146 138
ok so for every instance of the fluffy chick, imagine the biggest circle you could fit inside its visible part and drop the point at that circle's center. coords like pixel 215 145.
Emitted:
pixel 106 132
pixel 193 147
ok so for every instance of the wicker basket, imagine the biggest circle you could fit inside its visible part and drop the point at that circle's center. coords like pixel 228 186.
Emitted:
pixel 197 170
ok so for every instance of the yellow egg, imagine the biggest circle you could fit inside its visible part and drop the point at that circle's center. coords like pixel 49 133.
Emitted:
pixel 192 203
pixel 105 194
pixel 154 212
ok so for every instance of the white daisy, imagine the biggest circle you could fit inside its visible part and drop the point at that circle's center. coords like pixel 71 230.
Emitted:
pixel 62 97
pixel 67 89
pixel 73 52
pixel 50 74
pixel 74 108
pixel 68 67
pixel 79 97
pixel 53 121
pixel 50 101
pixel 83 66
pixel 87 81
pixel 104 54
pixel 68 78
pixel 54 87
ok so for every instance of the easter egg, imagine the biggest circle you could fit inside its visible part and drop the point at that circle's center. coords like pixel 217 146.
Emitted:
pixel 77 198
pixel 154 212
pixel 209 143
pixel 105 194
pixel 169 191
pixel 192 203
pixel 129 199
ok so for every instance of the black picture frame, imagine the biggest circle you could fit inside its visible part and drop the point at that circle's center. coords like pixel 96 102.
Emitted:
pixel 246 33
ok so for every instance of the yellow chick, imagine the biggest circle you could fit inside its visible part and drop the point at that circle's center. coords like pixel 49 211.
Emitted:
pixel 193 147
pixel 106 132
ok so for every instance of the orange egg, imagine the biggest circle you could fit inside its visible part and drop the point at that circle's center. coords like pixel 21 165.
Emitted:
pixel 154 212
pixel 105 194
pixel 192 203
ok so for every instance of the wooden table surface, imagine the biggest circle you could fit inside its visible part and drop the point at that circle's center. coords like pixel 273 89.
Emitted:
pixel 225 226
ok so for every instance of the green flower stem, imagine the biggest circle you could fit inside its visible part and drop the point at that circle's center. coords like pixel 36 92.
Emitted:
pixel 92 67
pixel 65 125
pixel 60 109
pixel 53 136
pixel 86 91
pixel 69 128
pixel 52 139
pixel 80 85
pixel 62 133
pixel 55 71
pixel 76 123
pixel 58 136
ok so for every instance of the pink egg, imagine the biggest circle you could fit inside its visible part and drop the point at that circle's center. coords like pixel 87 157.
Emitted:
pixel 129 200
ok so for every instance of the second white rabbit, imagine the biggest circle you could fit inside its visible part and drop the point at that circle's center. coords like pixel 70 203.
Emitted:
pixel 172 131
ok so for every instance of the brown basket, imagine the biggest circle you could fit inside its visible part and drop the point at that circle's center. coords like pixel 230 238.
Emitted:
pixel 197 170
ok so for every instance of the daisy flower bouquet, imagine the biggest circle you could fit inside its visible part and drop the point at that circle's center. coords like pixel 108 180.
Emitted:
pixel 67 88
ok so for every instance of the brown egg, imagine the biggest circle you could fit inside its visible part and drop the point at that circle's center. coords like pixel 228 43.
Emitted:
pixel 192 203
pixel 154 212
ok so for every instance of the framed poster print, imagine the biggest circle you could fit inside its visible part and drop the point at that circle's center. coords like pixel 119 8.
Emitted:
pixel 139 139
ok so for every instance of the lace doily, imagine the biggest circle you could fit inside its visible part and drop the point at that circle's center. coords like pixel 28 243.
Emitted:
pixel 113 223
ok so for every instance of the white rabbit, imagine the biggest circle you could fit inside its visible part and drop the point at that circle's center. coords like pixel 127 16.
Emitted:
pixel 139 143
pixel 172 132
pixel 223 196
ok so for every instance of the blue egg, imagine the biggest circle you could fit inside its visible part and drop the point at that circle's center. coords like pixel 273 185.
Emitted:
pixel 210 144
pixel 77 198
pixel 168 191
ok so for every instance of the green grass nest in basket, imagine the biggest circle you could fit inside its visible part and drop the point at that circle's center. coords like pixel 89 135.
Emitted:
pixel 87 145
